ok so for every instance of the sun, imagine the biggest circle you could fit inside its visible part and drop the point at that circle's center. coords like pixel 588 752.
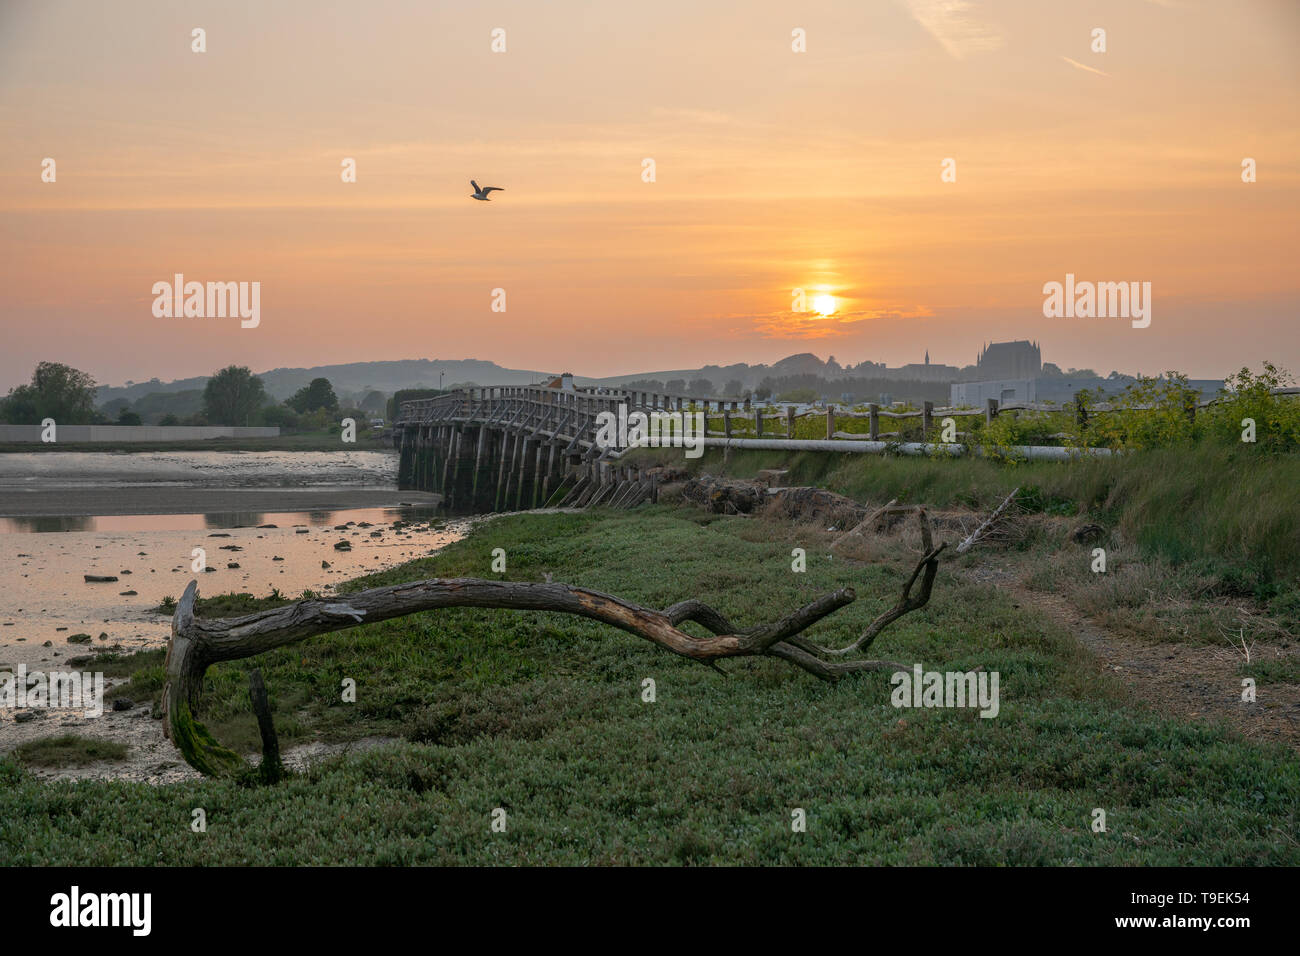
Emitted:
pixel 824 304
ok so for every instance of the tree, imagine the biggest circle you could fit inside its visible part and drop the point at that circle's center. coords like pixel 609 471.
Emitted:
pixel 199 642
pixel 734 387
pixel 701 387
pixel 56 391
pixel 675 385
pixel 233 396
pixel 319 394
pixel 374 402
pixel 128 417
pixel 280 416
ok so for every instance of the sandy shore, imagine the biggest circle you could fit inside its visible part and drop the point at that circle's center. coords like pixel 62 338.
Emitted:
pixel 37 502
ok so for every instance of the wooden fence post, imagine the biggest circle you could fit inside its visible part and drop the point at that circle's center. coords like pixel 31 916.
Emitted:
pixel 873 421
pixel 830 422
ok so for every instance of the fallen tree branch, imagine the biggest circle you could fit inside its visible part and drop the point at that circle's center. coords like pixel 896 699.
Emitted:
pixel 865 522
pixel 988 523
pixel 926 569
pixel 198 643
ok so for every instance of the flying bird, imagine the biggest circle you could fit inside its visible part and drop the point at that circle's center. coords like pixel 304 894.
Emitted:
pixel 481 192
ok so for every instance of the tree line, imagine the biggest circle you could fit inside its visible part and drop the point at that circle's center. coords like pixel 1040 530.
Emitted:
pixel 232 396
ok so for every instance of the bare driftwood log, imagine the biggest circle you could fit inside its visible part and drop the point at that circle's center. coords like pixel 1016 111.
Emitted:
pixel 196 643
pixel 271 766
pixel 983 529
pixel 869 522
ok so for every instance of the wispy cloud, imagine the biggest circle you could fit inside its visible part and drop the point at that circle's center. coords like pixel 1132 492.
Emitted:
pixel 951 23
pixel 813 325
pixel 1090 69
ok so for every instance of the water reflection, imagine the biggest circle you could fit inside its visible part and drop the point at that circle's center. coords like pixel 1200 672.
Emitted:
pixel 206 522
pixel 49 523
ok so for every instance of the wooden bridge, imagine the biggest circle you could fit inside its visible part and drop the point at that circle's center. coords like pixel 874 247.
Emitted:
pixel 515 447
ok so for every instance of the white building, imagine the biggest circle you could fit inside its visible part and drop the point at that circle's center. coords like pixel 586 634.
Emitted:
pixel 1005 391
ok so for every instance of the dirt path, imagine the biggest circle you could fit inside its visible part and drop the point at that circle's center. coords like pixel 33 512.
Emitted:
pixel 1192 681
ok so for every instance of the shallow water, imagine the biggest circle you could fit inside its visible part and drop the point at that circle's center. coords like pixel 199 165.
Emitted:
pixel 199 469
pixel 43 560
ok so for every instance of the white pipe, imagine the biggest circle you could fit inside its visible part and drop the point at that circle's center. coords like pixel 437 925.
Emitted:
pixel 1039 452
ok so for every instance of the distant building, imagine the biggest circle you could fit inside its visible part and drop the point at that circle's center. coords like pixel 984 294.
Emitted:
pixel 564 382
pixel 1020 359
pixel 1003 391
pixel 924 372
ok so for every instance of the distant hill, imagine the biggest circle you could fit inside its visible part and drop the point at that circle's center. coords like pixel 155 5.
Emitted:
pixel 355 377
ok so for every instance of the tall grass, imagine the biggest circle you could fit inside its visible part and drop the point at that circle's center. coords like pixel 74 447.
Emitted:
pixel 1232 508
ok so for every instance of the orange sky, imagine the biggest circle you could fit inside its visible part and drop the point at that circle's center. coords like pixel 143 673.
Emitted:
pixel 775 170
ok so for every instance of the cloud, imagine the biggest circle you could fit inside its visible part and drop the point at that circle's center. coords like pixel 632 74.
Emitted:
pixel 1082 67
pixel 949 22
pixel 814 325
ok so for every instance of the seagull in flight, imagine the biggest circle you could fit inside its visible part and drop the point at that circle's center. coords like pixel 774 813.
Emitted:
pixel 481 192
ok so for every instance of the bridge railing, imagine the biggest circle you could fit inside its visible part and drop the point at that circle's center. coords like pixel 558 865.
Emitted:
pixel 572 413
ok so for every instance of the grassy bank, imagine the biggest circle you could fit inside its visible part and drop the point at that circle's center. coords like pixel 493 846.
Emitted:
pixel 1229 509
pixel 542 715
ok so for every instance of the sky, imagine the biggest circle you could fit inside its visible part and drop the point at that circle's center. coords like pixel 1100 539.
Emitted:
pixel 774 170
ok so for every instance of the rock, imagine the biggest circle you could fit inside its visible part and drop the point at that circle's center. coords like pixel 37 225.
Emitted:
pixel 96 578
pixel 277 558
pixel 268 526
pixel 231 547
pixel 343 546
pixel 324 564
pixel 123 572
pixel 127 593
pixel 121 703
pixel 209 570
pixel 78 638
pixel 302 531
pixel 103 635
pixel 23 716
pixel 48 644
pixel 232 565
pixel 218 534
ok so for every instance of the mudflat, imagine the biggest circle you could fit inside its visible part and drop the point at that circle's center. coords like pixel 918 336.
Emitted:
pixel 156 500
